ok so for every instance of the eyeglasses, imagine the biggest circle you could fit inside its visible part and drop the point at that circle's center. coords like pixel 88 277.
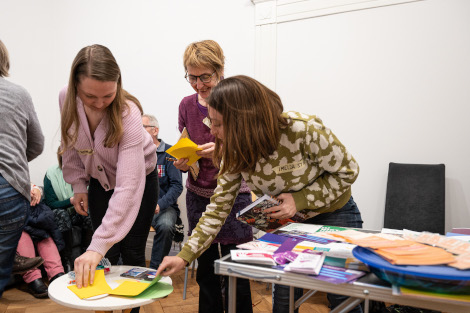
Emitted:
pixel 145 126
pixel 205 78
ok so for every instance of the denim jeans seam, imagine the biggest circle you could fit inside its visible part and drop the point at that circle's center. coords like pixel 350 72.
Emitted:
pixel 15 223
pixel 4 200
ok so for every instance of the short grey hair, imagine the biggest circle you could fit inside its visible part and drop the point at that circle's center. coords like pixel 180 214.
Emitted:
pixel 152 120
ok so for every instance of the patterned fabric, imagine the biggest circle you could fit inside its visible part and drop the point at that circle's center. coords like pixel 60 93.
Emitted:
pixel 161 171
pixel 310 163
pixel 66 218
pixel 179 231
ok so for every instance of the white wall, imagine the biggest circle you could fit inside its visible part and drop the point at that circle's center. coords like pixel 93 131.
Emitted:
pixel 147 38
pixel 393 83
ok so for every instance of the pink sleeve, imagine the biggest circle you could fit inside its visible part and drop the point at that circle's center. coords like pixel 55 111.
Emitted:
pixel 72 167
pixel 125 202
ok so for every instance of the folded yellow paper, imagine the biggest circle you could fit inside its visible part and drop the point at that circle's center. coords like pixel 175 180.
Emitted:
pixel 185 149
pixel 99 287
pixel 130 288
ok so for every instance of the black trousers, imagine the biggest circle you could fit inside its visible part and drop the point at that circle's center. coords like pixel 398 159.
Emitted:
pixel 210 284
pixel 132 248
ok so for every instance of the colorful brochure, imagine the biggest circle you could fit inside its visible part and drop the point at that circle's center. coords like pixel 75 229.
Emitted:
pixel 252 257
pixel 255 216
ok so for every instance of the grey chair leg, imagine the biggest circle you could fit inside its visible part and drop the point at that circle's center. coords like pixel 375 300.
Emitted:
pixel 185 282
pixel 186 270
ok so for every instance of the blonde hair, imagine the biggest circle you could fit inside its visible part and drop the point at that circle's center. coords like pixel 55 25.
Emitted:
pixel 4 60
pixel 206 53
pixel 59 157
pixel 96 62
pixel 252 122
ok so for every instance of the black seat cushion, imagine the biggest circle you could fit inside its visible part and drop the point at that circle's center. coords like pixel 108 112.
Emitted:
pixel 416 197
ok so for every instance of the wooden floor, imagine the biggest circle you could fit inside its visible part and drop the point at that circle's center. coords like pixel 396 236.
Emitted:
pixel 16 301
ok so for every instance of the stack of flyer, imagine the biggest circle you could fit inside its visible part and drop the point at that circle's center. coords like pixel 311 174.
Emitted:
pixel 307 263
pixel 253 257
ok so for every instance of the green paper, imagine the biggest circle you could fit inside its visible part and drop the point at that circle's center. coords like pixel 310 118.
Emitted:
pixel 155 290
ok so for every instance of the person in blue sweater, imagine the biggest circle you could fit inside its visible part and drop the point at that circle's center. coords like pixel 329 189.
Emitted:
pixel 167 211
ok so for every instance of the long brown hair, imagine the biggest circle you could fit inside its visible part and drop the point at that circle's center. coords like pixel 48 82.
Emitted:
pixel 95 62
pixel 252 123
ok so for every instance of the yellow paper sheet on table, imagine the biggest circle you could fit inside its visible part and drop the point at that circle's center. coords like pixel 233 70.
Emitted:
pixel 130 288
pixel 99 287
pixel 185 149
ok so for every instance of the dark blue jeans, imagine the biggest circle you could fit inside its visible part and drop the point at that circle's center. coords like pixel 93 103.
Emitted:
pixel 347 216
pixel 14 213
pixel 164 224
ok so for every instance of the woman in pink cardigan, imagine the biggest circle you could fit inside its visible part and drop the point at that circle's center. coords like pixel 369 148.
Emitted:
pixel 109 159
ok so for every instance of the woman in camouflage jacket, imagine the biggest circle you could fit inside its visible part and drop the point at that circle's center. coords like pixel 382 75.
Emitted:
pixel 289 155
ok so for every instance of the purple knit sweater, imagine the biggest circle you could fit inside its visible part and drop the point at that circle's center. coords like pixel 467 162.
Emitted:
pixel 233 231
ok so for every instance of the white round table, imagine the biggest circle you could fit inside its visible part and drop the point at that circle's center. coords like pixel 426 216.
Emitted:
pixel 59 293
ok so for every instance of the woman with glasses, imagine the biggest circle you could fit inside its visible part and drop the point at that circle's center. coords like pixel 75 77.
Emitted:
pixel 204 65
pixel 109 159
pixel 290 155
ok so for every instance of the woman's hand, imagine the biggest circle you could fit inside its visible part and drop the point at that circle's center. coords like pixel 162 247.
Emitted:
pixel 35 196
pixel 207 150
pixel 80 203
pixel 285 210
pixel 157 210
pixel 85 266
pixel 171 265
pixel 181 164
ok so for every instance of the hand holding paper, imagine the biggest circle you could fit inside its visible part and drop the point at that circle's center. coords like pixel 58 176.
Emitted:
pixel 207 150
pixel 185 149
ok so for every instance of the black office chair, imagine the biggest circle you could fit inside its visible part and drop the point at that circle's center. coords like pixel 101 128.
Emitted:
pixel 415 197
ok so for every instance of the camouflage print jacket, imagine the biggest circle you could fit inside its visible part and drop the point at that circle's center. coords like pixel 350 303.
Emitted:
pixel 310 163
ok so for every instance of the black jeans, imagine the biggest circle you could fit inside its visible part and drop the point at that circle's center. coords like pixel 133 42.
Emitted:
pixel 210 287
pixel 347 216
pixel 132 247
